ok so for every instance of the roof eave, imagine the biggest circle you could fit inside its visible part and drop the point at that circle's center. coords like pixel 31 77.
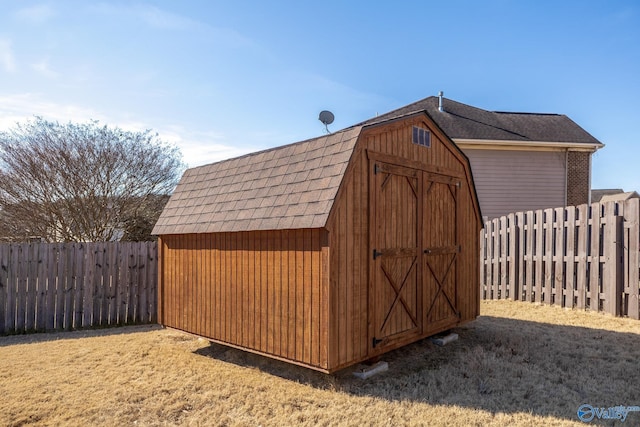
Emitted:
pixel 520 145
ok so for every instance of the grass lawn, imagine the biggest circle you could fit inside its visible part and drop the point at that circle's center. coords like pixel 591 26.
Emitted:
pixel 518 364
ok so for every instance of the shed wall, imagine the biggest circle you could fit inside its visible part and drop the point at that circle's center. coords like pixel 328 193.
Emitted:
pixel 349 235
pixel 263 291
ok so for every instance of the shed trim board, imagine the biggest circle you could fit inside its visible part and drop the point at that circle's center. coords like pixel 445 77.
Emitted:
pixel 311 290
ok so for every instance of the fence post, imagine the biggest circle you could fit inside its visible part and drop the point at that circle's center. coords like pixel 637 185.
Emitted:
pixel 4 285
pixel 513 257
pixel 613 271
pixel 502 256
pixel 631 246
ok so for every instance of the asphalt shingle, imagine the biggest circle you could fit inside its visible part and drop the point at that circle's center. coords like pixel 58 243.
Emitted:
pixel 462 121
pixel 285 187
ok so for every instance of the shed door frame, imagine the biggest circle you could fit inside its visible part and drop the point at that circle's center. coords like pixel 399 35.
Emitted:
pixel 442 251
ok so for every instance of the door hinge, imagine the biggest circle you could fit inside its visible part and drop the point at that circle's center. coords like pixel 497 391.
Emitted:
pixel 376 169
pixel 376 254
pixel 376 341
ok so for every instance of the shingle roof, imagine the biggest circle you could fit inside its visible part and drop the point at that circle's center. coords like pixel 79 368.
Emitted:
pixel 461 121
pixel 292 186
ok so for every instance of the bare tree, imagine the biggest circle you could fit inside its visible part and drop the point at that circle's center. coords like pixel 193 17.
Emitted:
pixel 82 182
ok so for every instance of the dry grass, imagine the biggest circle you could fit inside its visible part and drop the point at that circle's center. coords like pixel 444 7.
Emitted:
pixel 518 364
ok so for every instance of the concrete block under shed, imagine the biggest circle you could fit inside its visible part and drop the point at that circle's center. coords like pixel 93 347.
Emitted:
pixel 444 339
pixel 365 371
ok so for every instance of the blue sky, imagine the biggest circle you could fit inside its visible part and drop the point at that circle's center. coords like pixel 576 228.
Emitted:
pixel 223 78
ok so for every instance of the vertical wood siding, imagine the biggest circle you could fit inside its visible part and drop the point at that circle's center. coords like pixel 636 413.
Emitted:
pixel 349 235
pixel 262 291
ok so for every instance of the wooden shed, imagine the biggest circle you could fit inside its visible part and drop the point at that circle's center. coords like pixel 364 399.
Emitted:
pixel 326 252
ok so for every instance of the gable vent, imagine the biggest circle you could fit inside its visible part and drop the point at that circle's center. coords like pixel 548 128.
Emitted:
pixel 421 137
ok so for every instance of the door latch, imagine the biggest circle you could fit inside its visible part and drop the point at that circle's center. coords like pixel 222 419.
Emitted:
pixel 376 342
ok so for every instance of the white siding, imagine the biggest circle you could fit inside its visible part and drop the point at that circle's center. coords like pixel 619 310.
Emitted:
pixel 513 181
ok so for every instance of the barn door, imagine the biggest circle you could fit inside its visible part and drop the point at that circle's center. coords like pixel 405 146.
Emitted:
pixel 440 254
pixel 395 298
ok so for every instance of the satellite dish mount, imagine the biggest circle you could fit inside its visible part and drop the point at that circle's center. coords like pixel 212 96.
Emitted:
pixel 326 117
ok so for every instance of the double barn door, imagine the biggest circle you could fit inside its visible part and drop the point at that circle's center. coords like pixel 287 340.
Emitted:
pixel 414 253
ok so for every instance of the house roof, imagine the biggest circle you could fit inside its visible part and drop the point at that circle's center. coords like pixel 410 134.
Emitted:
pixel 618 197
pixel 597 194
pixel 461 121
pixel 292 186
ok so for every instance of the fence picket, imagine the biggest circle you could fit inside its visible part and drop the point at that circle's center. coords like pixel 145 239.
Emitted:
pixel 143 285
pixel 41 289
pixel 152 283
pixel 570 258
pixel 52 277
pixel 593 294
pixel 502 260
pixel 583 248
pixel 528 256
pixel 612 278
pixel 4 286
pixel 98 285
pixel 632 241
pixel 21 290
pixel 511 258
pixel 30 268
pixel 519 260
pixel 539 255
pixel 88 295
pixel 134 261
pixel 482 263
pixel 495 268
pixel 559 257
pixel 113 265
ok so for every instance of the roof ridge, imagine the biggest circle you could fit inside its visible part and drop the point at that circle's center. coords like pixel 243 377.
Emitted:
pixel 527 113
pixel 276 148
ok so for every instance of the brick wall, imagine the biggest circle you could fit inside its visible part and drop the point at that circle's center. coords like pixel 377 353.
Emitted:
pixel 578 183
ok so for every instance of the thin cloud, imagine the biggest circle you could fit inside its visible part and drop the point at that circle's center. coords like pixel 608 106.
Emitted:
pixel 159 19
pixel 21 107
pixel 150 15
pixel 197 147
pixel 201 147
pixel 7 58
pixel 44 69
pixel 38 14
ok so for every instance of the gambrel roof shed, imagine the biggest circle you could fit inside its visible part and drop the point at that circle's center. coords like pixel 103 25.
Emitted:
pixel 326 252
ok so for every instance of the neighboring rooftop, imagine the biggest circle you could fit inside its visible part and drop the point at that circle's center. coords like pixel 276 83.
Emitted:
pixel 596 195
pixel 612 195
pixel 461 121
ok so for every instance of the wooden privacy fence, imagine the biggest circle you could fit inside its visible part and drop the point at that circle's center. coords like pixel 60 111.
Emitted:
pixel 582 257
pixel 63 286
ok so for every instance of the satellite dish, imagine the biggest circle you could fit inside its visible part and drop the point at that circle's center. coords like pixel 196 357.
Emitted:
pixel 326 117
